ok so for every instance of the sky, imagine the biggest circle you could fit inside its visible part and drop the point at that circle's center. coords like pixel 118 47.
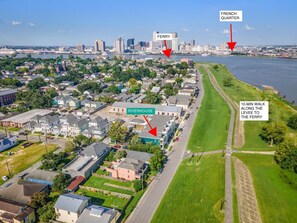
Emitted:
pixel 71 22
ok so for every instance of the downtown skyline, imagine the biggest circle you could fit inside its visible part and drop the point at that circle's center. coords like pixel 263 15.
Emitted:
pixel 68 23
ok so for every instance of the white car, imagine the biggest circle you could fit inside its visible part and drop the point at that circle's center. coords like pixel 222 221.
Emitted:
pixel 5 178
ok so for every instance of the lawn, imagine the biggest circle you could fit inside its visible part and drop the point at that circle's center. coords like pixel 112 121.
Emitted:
pixel 240 91
pixel 22 158
pixel 195 193
pixel 277 199
pixel 212 122
pixel 104 200
pixel 98 182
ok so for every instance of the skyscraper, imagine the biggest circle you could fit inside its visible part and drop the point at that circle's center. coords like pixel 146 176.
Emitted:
pixel 192 42
pixel 130 43
pixel 119 45
pixel 99 46
pixel 174 42
pixel 80 48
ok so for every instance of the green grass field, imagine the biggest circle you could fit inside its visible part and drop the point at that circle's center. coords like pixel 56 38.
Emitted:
pixel 98 182
pixel 211 125
pixel 240 91
pixel 277 199
pixel 22 158
pixel 195 193
pixel 104 200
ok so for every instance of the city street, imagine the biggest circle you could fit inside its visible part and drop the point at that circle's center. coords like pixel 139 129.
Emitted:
pixel 150 201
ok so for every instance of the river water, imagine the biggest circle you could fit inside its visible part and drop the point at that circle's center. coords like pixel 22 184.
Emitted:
pixel 278 73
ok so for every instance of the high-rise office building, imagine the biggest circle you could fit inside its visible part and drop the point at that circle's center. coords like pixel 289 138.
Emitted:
pixel 80 48
pixel 174 42
pixel 99 46
pixel 130 43
pixel 119 45
pixel 192 42
pixel 155 35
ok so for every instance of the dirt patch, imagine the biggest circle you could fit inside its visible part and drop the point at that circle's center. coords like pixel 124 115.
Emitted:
pixel 246 197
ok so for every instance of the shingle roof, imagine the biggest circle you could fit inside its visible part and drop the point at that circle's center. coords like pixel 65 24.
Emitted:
pixel 95 149
pixel 131 164
pixel 96 214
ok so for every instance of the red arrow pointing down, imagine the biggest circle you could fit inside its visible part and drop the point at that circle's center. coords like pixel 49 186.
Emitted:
pixel 153 131
pixel 167 52
pixel 231 44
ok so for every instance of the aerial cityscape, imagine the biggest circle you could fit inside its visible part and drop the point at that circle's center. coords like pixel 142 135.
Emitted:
pixel 139 112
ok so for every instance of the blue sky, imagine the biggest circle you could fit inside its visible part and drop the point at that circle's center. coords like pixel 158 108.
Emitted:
pixel 70 22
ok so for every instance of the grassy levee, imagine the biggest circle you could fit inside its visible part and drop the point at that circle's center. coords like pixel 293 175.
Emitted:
pixel 279 109
pixel 195 193
pixel 277 200
pixel 211 125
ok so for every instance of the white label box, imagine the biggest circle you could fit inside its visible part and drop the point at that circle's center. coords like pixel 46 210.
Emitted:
pixel 231 16
pixel 254 111
pixel 164 36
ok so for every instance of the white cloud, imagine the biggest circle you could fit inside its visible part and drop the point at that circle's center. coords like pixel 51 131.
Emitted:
pixel 225 31
pixel 206 30
pixel 31 24
pixel 61 31
pixel 185 30
pixel 15 23
pixel 247 27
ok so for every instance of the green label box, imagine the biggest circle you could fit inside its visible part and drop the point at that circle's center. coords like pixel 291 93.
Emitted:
pixel 141 111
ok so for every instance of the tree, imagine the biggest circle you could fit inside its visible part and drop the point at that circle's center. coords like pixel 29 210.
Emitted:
pixel 110 156
pixel 135 89
pixel 113 89
pixel 47 212
pixel 60 182
pixel 152 98
pixel 132 81
pixel 292 122
pixel 4 110
pixel 120 154
pixel 69 147
pixel 36 83
pixel 38 199
pixel 216 67
pixel 81 140
pixel 137 185
pixel 273 132
pixel 286 155
pixel 118 132
pixel 89 85
pixel 157 160
pixel 227 82
pixel 75 93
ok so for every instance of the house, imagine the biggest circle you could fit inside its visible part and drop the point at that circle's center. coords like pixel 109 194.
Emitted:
pixel 121 108
pixel 98 128
pixel 66 102
pixel 22 119
pixel 72 125
pixel 22 191
pixel 41 176
pixel 97 214
pixel 155 89
pixel 88 160
pixel 7 142
pixel 16 212
pixel 132 167
pixel 182 101
pixel 69 207
pixel 165 129
pixel 42 123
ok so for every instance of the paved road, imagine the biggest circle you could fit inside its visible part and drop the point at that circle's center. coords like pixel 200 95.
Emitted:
pixel 33 138
pixel 228 151
pixel 255 152
pixel 151 199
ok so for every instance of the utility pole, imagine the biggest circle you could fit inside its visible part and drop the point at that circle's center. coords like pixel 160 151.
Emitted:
pixel 8 168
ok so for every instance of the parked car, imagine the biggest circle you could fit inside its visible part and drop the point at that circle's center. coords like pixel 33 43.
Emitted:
pixel 4 178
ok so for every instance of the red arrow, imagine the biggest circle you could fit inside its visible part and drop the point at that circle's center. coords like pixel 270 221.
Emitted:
pixel 153 131
pixel 231 44
pixel 167 52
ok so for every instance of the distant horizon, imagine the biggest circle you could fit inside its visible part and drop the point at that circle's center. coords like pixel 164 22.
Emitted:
pixel 70 22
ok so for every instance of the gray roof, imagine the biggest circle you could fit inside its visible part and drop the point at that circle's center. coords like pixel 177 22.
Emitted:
pixel 5 91
pixel 142 156
pixel 96 214
pixel 95 149
pixel 162 108
pixel 179 99
pixel 159 121
pixel 42 175
pixel 131 164
pixel 70 202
